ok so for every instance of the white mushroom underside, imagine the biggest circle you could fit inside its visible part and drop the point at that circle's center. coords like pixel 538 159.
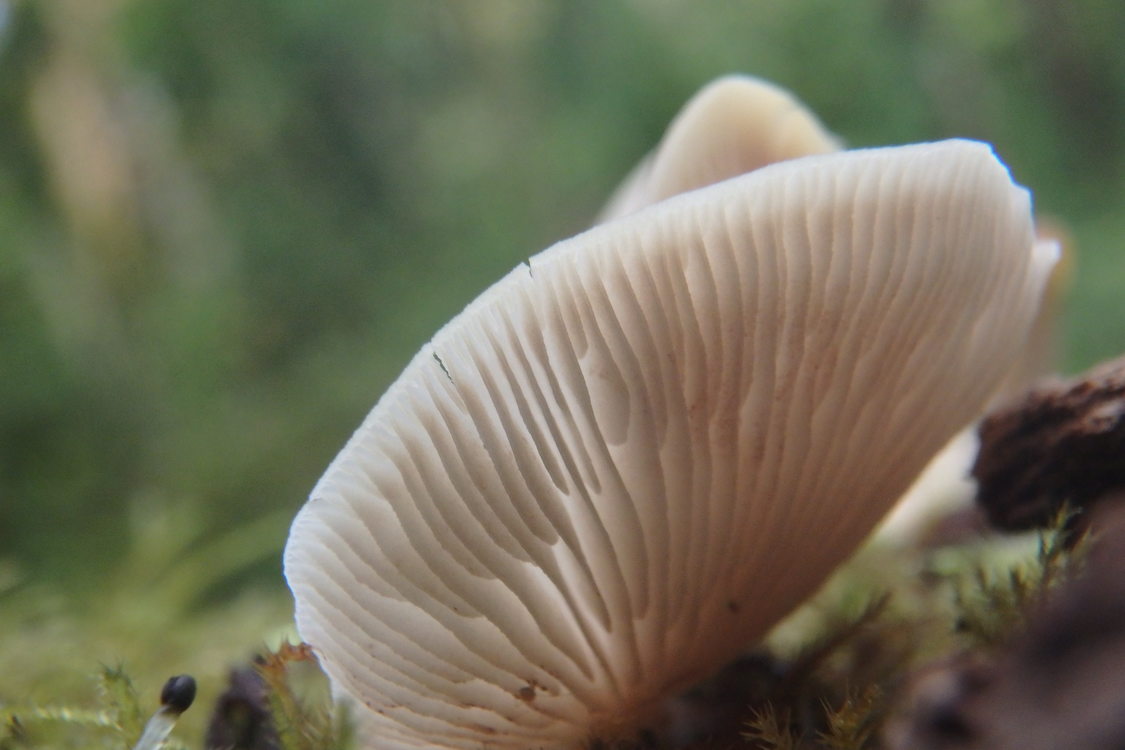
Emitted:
pixel 631 456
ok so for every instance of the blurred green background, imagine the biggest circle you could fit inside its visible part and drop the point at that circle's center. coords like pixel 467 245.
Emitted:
pixel 225 225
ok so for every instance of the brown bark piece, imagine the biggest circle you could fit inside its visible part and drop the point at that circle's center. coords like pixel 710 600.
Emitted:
pixel 1061 443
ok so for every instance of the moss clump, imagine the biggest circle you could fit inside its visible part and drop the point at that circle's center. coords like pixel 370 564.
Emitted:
pixel 827 679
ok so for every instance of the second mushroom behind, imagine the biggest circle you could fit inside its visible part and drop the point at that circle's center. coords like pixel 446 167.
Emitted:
pixel 634 454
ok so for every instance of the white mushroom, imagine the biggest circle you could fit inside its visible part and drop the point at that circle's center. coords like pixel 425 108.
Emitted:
pixel 740 123
pixel 630 457
pixel 734 125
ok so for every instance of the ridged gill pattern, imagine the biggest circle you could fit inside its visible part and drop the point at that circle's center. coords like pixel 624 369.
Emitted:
pixel 633 455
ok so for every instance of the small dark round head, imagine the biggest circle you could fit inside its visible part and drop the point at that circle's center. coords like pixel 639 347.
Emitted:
pixel 178 693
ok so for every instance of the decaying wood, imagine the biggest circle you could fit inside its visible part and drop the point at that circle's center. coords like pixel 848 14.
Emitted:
pixel 1063 443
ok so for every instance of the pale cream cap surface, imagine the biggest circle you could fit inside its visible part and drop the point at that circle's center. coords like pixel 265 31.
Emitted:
pixel 732 126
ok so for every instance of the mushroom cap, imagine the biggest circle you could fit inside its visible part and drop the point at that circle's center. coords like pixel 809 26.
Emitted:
pixel 734 125
pixel 629 458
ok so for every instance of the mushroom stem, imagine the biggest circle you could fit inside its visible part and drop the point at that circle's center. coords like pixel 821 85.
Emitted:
pixel 175 698
pixel 157 729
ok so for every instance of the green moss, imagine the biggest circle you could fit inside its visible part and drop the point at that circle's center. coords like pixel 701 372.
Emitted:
pixel 302 723
pixel 839 663
pixel 159 613
pixel 769 729
pixel 993 604
pixel 115 719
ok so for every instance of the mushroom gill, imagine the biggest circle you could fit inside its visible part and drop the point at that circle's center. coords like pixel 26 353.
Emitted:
pixel 634 454
pixel 740 123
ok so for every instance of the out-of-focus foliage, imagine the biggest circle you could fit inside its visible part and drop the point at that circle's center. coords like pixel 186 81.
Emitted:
pixel 226 224
pixel 65 651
